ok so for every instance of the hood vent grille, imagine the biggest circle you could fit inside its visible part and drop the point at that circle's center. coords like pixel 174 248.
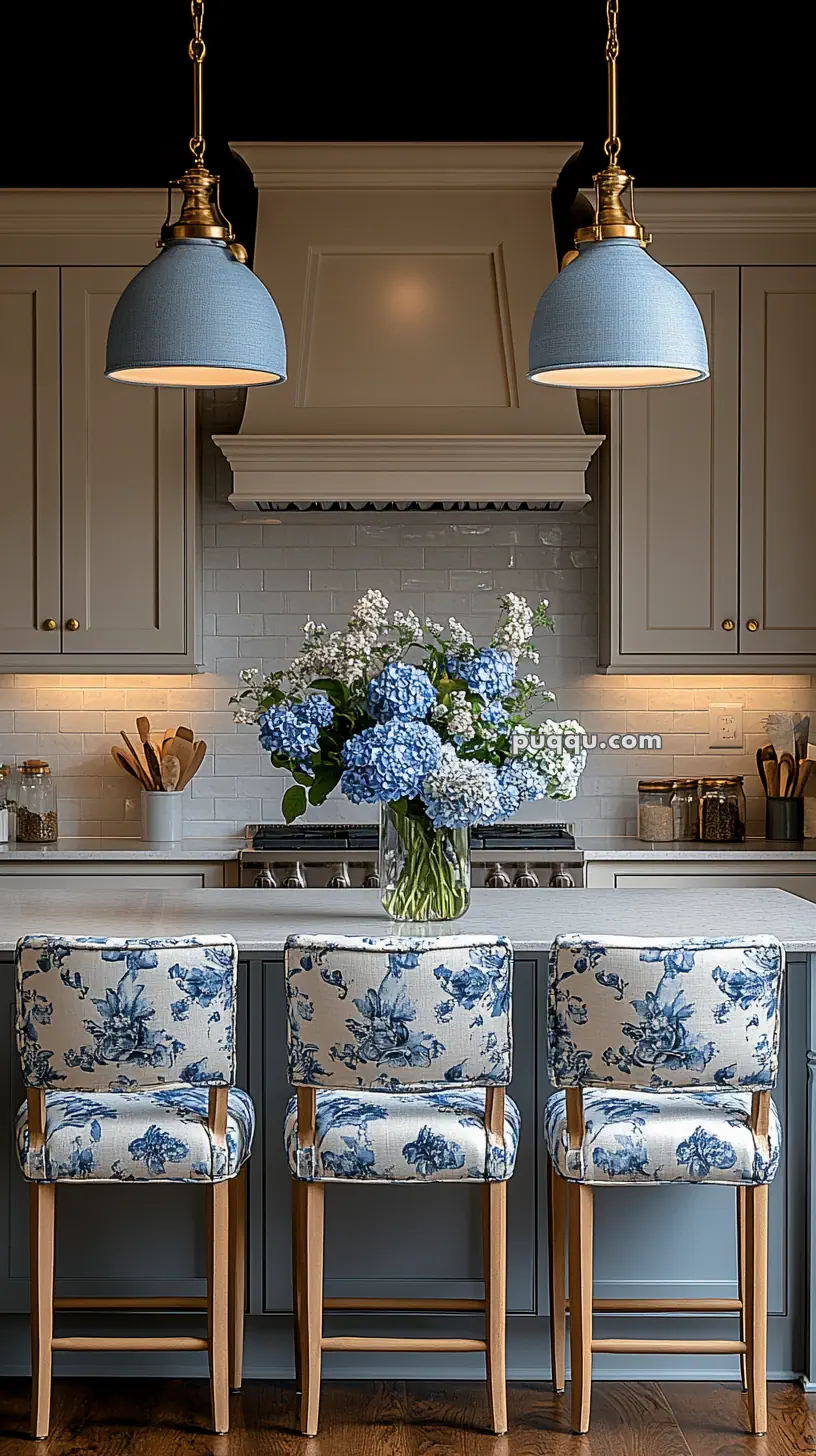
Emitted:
pixel 278 507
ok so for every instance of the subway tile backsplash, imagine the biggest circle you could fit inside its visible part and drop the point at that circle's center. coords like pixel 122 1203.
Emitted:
pixel 262 578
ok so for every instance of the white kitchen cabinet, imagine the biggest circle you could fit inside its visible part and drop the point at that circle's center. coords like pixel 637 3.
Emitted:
pixel 628 874
pixel 118 874
pixel 707 509
pixel 98 479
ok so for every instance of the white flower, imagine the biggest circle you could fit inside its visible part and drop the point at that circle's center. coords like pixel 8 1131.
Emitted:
pixel 408 626
pixel 435 627
pixel 457 634
pixel 244 716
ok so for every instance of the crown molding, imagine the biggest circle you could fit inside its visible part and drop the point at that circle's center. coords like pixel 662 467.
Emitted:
pixel 725 209
pixel 303 165
pixel 407 467
pixel 77 212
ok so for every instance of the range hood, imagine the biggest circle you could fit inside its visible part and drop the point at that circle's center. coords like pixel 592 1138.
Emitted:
pixel 407 275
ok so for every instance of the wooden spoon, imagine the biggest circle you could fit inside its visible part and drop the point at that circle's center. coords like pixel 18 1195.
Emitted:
pixel 143 728
pixel 186 734
pixel 166 737
pixel 170 772
pixel 153 763
pixel 772 777
pixel 124 761
pixel 803 774
pixel 787 775
pixel 194 765
pixel 182 750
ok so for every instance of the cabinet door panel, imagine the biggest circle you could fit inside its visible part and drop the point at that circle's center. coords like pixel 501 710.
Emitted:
pixel 30 454
pixel 778 504
pixel 124 448
pixel 679 482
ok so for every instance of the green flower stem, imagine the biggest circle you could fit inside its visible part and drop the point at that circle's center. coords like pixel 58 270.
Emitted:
pixel 433 883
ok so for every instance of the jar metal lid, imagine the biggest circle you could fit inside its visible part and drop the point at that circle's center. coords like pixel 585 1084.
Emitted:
pixel 731 780
pixel 654 786
pixel 35 766
pixel 685 783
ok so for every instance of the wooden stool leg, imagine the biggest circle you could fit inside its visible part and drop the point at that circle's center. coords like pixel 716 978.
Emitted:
pixel 580 1292
pixel 311 1285
pixel 218 1304
pixel 298 1320
pixel 557 1248
pixel 741 1256
pixel 41 1242
pixel 494 1224
pixel 237 1282
pixel 757 1306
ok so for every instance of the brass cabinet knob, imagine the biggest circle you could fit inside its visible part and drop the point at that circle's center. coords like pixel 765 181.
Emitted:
pixel 49 625
pixel 72 625
pixel 752 624
pixel 728 624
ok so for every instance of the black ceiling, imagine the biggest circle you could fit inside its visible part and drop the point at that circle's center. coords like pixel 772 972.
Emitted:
pixel 103 90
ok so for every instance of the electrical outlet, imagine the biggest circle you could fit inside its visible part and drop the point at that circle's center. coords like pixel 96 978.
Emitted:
pixel 725 725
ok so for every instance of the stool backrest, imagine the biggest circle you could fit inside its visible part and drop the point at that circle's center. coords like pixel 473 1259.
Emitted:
pixel 96 1013
pixel 668 1013
pixel 397 1013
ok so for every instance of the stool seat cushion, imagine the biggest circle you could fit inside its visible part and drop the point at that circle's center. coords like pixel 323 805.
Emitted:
pixel 663 1137
pixel 134 1137
pixel 403 1137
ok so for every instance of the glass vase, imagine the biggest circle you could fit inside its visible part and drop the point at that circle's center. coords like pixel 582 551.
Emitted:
pixel 424 872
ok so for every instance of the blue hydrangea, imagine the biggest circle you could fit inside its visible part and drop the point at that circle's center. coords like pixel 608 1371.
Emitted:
pixel 462 792
pixel 317 709
pixel 389 761
pixel 489 673
pixel 525 778
pixel 293 731
pixel 400 691
pixel 495 713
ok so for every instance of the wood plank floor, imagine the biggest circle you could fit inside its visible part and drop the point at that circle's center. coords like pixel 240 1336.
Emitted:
pixel 169 1418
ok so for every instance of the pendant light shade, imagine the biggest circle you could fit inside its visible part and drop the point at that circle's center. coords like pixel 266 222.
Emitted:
pixel 196 316
pixel 614 319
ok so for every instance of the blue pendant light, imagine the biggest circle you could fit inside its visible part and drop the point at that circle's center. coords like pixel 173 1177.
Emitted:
pixel 613 318
pixel 197 316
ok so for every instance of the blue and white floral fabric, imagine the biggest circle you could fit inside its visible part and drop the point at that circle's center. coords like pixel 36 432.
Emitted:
pixel 393 1013
pixel 98 1013
pixel 158 1135
pixel 689 1136
pixel 678 1013
pixel 406 1137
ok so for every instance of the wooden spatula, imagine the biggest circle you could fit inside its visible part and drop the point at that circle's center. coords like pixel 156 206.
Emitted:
pixel 182 750
pixel 136 761
pixel 186 734
pixel 143 728
pixel 153 763
pixel 787 775
pixel 194 765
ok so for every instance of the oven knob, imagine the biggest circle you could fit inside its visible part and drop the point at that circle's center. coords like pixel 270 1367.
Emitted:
pixel 561 879
pixel 264 880
pixel 526 880
pixel 372 881
pixel 297 880
pixel 497 879
pixel 340 879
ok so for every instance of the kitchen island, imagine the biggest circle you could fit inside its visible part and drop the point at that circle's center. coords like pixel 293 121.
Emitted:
pixel 656 1242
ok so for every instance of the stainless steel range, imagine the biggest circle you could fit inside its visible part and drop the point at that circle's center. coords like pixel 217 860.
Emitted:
pixel 342 856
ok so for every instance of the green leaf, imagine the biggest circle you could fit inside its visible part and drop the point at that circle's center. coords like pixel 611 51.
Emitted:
pixel 335 691
pixel 293 803
pixel 326 778
pixel 300 777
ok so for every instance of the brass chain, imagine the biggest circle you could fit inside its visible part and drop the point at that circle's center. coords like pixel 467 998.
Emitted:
pixel 612 143
pixel 197 51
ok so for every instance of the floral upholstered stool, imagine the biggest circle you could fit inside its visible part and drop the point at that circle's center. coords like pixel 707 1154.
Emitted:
pixel 400 1051
pixel 128 1055
pixel 667 1053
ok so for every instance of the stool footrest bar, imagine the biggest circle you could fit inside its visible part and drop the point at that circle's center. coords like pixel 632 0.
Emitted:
pixel 362 1342
pixel 133 1342
pixel 666 1306
pixel 668 1347
pixel 147 1301
pixel 370 1302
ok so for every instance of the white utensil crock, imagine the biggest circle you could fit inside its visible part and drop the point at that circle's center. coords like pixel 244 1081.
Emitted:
pixel 162 815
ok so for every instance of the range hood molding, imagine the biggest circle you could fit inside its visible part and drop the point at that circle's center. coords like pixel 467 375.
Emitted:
pixel 421 468
pixel 407 275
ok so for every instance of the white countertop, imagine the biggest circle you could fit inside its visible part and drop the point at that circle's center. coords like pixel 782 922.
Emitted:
pixel 750 849
pixel 261 920
pixel 218 851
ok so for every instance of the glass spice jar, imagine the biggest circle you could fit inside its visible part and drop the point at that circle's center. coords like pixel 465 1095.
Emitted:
pixel 5 774
pixel 37 804
pixel 722 809
pixel 654 820
pixel 685 813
